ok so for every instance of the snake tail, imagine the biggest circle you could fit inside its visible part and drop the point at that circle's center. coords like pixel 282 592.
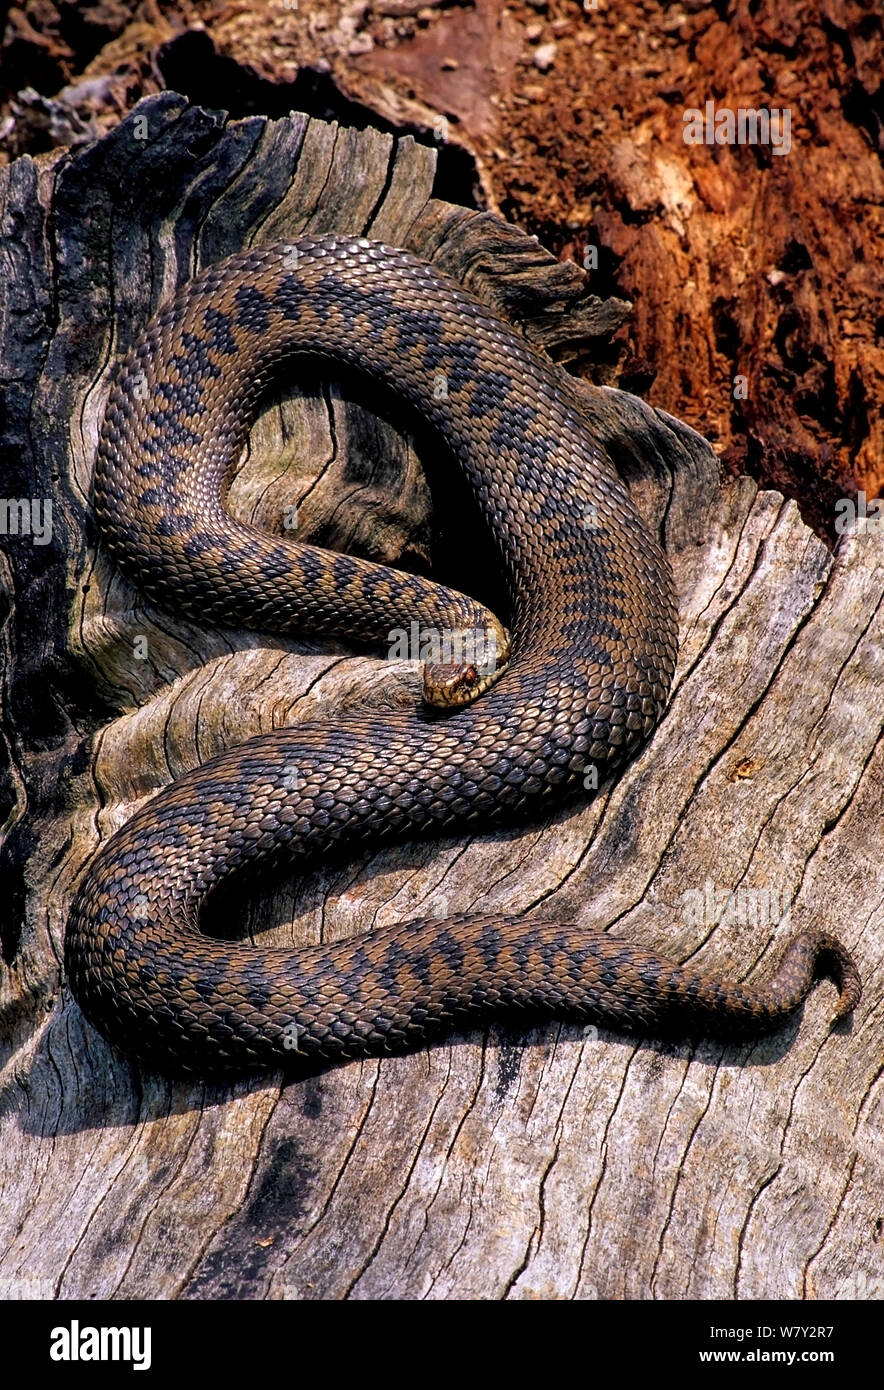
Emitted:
pixel 404 986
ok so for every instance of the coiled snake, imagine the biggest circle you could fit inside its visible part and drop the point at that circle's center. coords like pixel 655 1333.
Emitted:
pixel 593 648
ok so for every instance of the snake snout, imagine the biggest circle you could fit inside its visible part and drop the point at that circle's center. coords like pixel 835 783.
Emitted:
pixel 450 684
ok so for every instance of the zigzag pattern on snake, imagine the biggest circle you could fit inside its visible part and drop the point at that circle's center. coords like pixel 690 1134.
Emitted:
pixel 582 678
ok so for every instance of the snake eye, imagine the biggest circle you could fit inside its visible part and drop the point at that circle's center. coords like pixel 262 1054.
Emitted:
pixel 470 676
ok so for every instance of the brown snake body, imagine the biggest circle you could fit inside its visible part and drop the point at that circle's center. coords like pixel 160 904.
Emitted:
pixel 593 648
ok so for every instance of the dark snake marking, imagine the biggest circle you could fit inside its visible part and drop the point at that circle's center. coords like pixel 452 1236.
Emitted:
pixel 594 635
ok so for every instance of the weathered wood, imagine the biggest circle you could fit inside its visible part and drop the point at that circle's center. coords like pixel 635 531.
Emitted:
pixel 549 1164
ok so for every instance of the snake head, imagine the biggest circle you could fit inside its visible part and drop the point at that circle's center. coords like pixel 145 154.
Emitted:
pixel 451 684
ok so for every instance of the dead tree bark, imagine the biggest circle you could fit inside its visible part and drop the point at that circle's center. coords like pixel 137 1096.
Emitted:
pixel 547 1164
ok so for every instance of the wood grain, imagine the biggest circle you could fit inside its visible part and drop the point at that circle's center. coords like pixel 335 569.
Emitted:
pixel 551 1164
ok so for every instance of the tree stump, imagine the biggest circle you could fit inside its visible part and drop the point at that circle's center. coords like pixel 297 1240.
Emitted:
pixel 561 1162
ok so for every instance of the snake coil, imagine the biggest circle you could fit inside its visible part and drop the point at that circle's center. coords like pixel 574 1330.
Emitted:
pixel 581 679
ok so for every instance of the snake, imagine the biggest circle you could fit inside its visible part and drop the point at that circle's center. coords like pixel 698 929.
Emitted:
pixel 509 719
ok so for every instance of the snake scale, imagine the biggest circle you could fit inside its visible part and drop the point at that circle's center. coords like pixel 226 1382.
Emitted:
pixel 580 679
